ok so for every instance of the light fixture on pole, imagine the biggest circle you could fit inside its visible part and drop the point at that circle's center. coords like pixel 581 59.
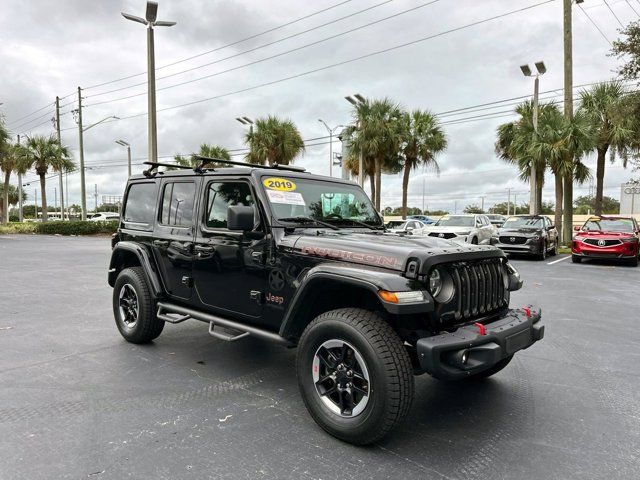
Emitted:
pixel 533 180
pixel 151 21
pixel 125 144
pixel 247 121
pixel 357 100
pixel 331 131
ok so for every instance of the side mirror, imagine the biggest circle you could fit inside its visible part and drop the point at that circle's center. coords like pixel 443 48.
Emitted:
pixel 240 218
pixel 409 229
pixel 576 229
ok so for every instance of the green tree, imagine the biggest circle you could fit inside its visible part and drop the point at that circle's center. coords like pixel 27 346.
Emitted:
pixel 628 50
pixel 376 134
pixel 43 153
pixel 422 139
pixel 585 204
pixel 12 160
pixel 614 132
pixel 206 150
pixel 12 197
pixel 473 209
pixel 5 166
pixel 274 141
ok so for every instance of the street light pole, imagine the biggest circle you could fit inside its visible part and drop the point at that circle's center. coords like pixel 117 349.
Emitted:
pixel 247 121
pixel 125 144
pixel 330 130
pixel 150 21
pixel 357 100
pixel 533 180
pixel 83 193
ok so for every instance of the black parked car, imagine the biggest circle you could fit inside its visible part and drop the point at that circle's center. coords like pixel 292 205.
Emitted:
pixel 527 234
pixel 303 260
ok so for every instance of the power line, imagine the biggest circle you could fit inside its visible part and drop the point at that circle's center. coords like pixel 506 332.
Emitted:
pixel 594 24
pixel 255 49
pixel 255 62
pixel 613 13
pixel 227 45
pixel 345 62
pixel 632 8
pixel 29 114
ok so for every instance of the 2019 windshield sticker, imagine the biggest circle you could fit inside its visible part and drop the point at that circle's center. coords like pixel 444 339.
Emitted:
pixel 288 198
pixel 359 257
pixel 279 184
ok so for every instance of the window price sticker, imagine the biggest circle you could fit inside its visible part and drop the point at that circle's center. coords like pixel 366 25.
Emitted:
pixel 288 198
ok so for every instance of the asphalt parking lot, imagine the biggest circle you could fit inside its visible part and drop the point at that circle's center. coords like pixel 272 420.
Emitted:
pixel 77 401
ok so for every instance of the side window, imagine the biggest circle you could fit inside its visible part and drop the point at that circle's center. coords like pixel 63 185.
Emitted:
pixel 221 196
pixel 177 204
pixel 140 206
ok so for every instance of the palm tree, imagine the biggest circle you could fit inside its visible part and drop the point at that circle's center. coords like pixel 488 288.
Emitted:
pixel 206 150
pixel 5 166
pixel 41 153
pixel 377 136
pixel 11 161
pixel 12 197
pixel 422 139
pixel 518 143
pixel 604 106
pixel 274 141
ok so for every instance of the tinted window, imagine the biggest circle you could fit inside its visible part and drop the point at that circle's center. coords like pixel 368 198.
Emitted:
pixel 221 196
pixel 141 205
pixel 177 204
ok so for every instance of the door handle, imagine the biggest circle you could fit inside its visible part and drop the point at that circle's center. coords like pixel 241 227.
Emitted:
pixel 203 248
pixel 161 243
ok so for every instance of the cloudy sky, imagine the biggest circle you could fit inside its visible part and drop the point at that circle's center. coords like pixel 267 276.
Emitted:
pixel 50 48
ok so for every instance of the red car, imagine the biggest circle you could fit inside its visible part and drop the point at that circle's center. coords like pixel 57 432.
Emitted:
pixel 607 237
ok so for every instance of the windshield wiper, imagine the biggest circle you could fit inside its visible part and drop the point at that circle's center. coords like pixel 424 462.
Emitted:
pixel 308 220
pixel 358 222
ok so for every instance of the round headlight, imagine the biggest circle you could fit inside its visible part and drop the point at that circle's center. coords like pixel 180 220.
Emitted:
pixel 435 282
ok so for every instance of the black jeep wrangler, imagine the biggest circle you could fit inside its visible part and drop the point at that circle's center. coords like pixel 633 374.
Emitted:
pixel 305 260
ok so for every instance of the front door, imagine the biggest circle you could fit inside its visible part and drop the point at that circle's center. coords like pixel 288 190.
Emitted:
pixel 173 236
pixel 229 266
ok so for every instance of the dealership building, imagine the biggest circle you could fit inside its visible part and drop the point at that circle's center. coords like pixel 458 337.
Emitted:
pixel 630 198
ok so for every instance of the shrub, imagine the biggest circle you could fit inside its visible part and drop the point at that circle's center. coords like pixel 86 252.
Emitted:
pixel 76 227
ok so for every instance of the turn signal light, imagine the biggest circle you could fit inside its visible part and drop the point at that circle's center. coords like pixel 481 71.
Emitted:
pixel 401 297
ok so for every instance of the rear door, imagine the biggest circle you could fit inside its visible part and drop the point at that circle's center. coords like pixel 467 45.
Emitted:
pixel 174 235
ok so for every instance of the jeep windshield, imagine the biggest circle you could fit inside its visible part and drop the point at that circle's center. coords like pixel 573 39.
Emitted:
pixel 299 199
pixel 456 221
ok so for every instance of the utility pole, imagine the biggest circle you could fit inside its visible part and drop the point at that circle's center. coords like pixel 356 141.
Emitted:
pixel 455 206
pixel 55 199
pixel 567 220
pixel 35 191
pixel 59 143
pixel 509 202
pixel 83 193
pixel 482 203
pixel 20 214
pixel 515 203
pixel 95 197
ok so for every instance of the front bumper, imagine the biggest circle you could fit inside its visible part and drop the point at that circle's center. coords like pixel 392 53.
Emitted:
pixel 468 351
pixel 622 250
pixel 531 247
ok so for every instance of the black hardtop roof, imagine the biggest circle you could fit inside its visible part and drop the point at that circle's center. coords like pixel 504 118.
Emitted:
pixel 239 171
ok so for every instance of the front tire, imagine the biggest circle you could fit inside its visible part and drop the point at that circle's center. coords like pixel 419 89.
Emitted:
pixel 634 262
pixel 354 374
pixel 576 259
pixel 133 307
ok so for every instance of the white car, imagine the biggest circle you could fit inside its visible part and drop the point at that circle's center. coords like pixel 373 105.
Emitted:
pixel 411 227
pixel 105 217
pixel 476 229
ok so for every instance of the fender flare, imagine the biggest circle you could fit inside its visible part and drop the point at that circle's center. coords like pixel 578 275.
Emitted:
pixel 370 280
pixel 144 258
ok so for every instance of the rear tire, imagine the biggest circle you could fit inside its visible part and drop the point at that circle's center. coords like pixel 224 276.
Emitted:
pixel 133 307
pixel 554 252
pixel 543 254
pixel 576 259
pixel 634 262
pixel 373 352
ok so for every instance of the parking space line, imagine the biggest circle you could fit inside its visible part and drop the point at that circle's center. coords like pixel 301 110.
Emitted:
pixel 559 260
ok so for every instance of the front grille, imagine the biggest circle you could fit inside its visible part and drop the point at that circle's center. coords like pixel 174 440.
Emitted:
pixel 596 242
pixel 479 288
pixel 442 234
pixel 513 240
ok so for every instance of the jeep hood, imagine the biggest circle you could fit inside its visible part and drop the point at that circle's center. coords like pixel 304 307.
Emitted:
pixel 383 250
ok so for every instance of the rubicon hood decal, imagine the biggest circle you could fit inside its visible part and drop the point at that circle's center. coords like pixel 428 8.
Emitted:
pixel 356 257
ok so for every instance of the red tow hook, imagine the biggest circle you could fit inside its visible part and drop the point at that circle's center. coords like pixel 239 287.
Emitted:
pixel 481 329
pixel 527 311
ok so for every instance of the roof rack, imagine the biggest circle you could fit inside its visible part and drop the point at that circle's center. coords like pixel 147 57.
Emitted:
pixel 205 160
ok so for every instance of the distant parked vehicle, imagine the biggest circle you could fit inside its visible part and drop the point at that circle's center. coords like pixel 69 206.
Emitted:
pixel 607 237
pixel 496 220
pixel 105 216
pixel 474 229
pixel 423 218
pixel 410 227
pixel 527 234
pixel 391 224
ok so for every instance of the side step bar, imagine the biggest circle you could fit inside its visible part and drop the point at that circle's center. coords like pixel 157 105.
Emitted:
pixel 165 310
